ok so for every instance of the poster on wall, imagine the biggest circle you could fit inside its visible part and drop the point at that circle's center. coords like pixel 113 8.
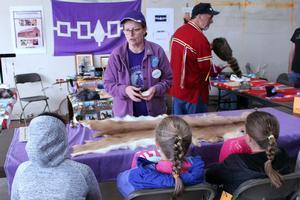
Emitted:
pixel 81 28
pixel 27 29
pixel 160 26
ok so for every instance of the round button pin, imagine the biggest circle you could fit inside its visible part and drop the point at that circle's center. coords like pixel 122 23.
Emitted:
pixel 156 73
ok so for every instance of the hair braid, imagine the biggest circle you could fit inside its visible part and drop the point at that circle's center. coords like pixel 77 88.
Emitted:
pixel 275 177
pixel 177 163
pixel 174 136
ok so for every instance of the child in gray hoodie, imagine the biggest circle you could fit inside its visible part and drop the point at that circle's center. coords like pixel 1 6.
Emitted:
pixel 49 174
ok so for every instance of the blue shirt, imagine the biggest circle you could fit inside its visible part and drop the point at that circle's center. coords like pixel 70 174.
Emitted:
pixel 137 80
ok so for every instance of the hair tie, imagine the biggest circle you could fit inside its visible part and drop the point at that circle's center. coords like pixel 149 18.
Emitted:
pixel 178 137
pixel 271 137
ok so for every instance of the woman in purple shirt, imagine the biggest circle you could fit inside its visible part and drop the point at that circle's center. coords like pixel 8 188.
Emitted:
pixel 138 73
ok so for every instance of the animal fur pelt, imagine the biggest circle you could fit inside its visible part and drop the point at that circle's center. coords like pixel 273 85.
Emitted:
pixel 122 134
pixel 222 49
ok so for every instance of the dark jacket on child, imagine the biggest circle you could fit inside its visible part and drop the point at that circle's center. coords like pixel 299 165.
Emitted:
pixel 238 168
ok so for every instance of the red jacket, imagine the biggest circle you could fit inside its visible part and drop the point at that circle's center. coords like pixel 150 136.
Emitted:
pixel 191 63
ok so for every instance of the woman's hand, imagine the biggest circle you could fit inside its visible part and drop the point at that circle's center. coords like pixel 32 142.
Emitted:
pixel 133 93
pixel 148 94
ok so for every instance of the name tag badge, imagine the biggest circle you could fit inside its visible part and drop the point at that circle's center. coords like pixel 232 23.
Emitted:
pixel 154 61
pixel 156 73
pixel 296 106
pixel 226 196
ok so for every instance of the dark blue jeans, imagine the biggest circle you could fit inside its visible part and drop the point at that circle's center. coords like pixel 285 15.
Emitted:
pixel 295 79
pixel 181 107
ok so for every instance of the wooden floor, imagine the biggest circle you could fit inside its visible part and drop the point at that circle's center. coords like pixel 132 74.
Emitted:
pixel 3 189
pixel 5 140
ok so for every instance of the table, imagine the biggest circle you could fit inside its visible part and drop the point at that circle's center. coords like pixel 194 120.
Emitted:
pixel 89 110
pixel 258 93
pixel 6 107
pixel 107 166
pixel 81 108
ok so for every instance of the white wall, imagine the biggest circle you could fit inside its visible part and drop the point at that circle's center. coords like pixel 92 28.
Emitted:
pixel 257 34
pixel 48 66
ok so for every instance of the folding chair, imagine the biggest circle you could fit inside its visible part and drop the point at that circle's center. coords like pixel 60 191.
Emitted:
pixel 199 192
pixel 261 189
pixel 30 78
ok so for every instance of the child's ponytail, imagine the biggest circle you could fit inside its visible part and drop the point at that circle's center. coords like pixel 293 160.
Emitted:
pixel 174 136
pixel 176 170
pixel 263 127
pixel 275 177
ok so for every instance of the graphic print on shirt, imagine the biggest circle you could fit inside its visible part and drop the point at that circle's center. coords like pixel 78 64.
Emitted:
pixel 137 76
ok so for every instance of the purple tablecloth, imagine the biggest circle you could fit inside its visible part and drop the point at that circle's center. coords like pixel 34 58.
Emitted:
pixel 107 166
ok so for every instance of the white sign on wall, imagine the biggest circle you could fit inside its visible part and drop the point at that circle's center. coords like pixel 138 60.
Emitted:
pixel 27 29
pixel 160 26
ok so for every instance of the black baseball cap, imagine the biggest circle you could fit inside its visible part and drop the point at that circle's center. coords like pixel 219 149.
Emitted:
pixel 203 8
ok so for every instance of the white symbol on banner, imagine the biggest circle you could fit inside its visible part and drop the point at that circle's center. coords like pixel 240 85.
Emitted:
pixel 83 30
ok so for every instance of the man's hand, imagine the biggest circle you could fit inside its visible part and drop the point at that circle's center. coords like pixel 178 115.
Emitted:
pixel 148 94
pixel 133 93
pixel 220 68
pixel 216 69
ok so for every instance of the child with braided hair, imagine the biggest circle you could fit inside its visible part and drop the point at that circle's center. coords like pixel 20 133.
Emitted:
pixel 173 137
pixel 266 159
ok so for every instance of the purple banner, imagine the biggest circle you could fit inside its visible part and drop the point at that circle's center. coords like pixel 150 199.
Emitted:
pixel 89 27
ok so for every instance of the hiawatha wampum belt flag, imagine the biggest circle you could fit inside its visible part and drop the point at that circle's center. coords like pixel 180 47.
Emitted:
pixel 85 27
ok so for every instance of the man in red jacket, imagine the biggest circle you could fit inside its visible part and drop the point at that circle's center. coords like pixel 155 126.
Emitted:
pixel 191 62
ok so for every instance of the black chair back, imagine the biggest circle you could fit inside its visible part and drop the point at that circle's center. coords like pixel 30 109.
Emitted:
pixel 26 78
pixel 261 189
pixel 199 192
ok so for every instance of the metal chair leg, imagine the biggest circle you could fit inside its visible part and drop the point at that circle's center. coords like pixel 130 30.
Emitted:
pixel 46 106
pixel 25 119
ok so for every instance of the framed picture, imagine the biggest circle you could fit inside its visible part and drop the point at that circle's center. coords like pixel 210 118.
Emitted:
pixel 27 29
pixel 104 60
pixel 84 63
pixel 91 116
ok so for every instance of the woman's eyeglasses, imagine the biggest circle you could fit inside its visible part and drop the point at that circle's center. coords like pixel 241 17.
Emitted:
pixel 134 30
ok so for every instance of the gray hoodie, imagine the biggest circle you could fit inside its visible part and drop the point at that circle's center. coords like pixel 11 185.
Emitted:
pixel 49 174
